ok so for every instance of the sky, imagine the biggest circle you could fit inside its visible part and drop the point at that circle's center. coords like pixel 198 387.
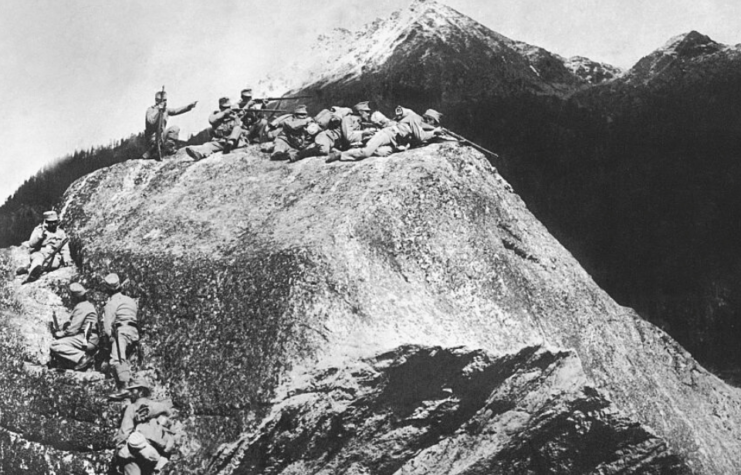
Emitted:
pixel 81 73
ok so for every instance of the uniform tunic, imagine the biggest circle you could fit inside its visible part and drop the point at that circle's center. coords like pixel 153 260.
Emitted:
pixel 43 242
pixel 73 345
pixel 119 314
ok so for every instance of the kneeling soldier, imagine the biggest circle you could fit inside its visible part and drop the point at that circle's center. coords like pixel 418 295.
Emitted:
pixel 80 335
pixel 121 326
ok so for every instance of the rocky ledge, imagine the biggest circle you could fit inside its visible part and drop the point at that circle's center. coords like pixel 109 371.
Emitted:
pixel 250 274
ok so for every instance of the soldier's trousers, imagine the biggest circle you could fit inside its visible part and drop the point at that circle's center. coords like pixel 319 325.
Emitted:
pixel 126 335
pixel 380 145
pixel 71 348
pixel 218 145
pixel 169 142
pixel 38 257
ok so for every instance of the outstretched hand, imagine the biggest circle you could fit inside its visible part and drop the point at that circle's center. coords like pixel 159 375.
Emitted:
pixel 142 414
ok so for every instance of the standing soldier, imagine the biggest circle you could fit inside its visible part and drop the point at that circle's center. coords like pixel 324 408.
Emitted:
pixel 48 248
pixel 226 132
pixel 162 141
pixel 80 335
pixel 121 326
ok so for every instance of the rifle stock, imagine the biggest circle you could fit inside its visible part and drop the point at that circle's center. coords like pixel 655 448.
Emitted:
pixel 55 321
pixel 159 129
pixel 50 258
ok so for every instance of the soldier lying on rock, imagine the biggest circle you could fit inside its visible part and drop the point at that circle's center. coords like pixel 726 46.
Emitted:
pixel 79 337
pixel 121 327
pixel 409 130
pixel 48 248
pixel 226 132
pixel 144 442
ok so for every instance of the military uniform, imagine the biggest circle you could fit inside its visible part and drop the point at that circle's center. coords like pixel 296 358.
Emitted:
pixel 45 238
pixel 74 345
pixel 142 442
pixel 294 135
pixel 121 325
pixel 410 130
pixel 254 124
pixel 168 143
pixel 226 132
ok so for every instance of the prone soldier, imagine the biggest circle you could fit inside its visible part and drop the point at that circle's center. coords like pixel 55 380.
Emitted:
pixel 79 336
pixel 409 130
pixel 48 248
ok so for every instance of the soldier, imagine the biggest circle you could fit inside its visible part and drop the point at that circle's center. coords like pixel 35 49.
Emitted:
pixel 295 135
pixel 80 334
pixel 143 441
pixel 154 127
pixel 409 130
pixel 226 132
pixel 353 125
pixel 48 248
pixel 254 123
pixel 121 326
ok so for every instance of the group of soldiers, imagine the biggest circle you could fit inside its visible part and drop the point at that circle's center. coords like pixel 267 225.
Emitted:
pixel 143 441
pixel 337 133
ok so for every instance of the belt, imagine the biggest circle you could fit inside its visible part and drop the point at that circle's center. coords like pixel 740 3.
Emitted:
pixel 130 324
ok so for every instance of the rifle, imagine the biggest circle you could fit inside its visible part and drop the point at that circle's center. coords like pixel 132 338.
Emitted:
pixel 244 111
pixel 272 99
pixel 159 127
pixel 478 147
pixel 50 258
pixel 55 322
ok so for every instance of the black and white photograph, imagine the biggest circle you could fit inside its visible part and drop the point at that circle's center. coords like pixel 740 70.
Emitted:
pixel 390 237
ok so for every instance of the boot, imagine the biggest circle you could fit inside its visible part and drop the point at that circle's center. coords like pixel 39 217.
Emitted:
pixel 333 157
pixel 85 362
pixel 34 273
pixel 194 154
pixel 305 153
pixel 279 156
pixel 21 270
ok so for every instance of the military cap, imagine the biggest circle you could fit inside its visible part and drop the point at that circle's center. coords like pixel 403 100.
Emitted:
pixel 247 92
pixel 51 216
pixel 139 383
pixel 137 441
pixel 77 289
pixel 112 281
pixel 225 103
pixel 433 114
pixel 300 109
pixel 399 111
pixel 362 106
pixel 160 95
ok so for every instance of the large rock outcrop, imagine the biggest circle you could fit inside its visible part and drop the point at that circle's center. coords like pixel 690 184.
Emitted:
pixel 250 273
pixel 442 411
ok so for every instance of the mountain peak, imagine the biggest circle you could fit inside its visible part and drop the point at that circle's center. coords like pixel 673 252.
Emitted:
pixel 679 49
pixel 690 44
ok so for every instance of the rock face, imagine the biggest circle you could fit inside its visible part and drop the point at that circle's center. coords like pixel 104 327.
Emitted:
pixel 249 273
pixel 442 411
